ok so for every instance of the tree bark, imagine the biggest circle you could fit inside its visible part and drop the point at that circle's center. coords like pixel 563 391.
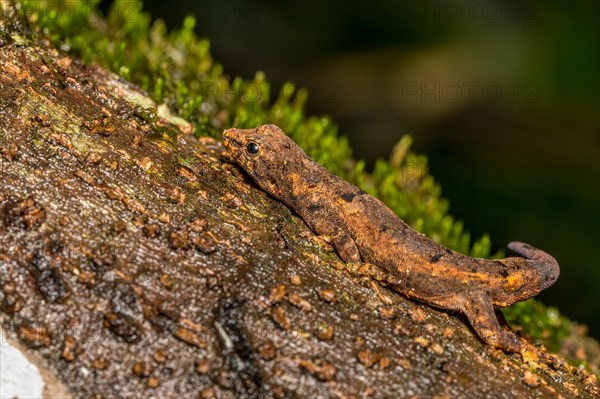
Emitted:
pixel 138 261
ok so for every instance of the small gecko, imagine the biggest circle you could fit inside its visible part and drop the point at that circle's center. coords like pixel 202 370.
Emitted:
pixel 365 231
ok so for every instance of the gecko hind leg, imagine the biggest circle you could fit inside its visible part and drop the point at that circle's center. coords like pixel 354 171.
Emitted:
pixel 479 310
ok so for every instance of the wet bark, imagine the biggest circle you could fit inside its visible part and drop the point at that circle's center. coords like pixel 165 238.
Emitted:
pixel 138 261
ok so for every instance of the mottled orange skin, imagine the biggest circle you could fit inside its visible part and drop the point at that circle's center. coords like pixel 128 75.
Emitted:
pixel 363 230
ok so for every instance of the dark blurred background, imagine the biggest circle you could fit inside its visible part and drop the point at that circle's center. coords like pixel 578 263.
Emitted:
pixel 502 96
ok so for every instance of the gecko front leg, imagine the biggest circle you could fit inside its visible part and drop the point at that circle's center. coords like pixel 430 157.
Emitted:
pixel 346 247
pixel 479 310
pixel 328 225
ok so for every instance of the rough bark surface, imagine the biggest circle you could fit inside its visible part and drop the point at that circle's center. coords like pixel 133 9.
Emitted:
pixel 138 261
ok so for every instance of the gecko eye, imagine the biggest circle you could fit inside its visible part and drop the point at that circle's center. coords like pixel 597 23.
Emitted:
pixel 252 148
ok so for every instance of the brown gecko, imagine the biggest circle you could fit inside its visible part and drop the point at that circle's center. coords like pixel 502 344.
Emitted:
pixel 365 231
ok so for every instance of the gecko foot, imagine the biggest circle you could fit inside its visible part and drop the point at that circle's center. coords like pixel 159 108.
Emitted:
pixel 480 312
pixel 366 270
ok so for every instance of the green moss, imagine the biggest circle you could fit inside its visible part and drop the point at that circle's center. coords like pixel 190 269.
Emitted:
pixel 539 322
pixel 176 68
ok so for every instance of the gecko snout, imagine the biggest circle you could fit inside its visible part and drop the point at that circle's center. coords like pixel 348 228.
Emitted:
pixel 228 134
pixel 231 138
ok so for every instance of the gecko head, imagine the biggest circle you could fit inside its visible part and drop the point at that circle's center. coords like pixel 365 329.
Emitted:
pixel 265 153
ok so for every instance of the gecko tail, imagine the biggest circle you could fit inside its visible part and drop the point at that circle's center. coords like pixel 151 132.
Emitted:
pixel 545 264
